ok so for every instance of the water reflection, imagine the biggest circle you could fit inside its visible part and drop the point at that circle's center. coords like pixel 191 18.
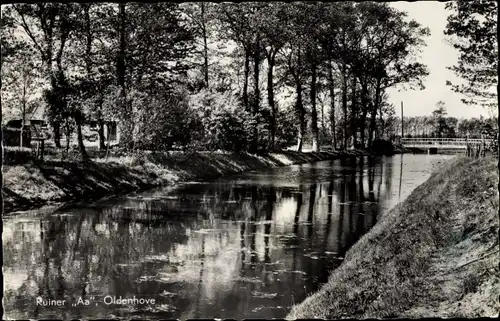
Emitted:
pixel 240 247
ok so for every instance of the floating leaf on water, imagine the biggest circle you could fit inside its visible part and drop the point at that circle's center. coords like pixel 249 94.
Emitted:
pixel 264 295
pixel 167 274
pixel 314 257
pixel 257 309
pixel 165 308
pixel 264 222
pixel 165 279
pixel 249 279
pixel 206 231
pixel 288 236
pixel 160 257
pixel 127 264
pixel 263 234
pixel 287 271
pixel 145 278
pixel 165 293
pixel 163 258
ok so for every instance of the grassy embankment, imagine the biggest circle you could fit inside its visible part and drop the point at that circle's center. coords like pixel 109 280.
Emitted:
pixel 34 184
pixel 433 255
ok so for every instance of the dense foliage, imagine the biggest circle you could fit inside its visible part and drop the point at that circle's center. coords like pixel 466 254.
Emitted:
pixel 229 76
pixel 473 26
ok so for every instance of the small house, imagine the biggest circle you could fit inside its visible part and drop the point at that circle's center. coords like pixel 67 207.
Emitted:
pixel 33 128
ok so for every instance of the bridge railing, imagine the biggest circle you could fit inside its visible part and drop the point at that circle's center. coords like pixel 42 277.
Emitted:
pixel 441 141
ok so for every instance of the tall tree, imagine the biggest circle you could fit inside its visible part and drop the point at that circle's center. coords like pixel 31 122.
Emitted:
pixel 438 115
pixel 239 23
pixel 297 66
pixel 48 27
pixel 21 77
pixel 314 58
pixel 337 39
pixel 396 45
pixel 472 30
pixel 200 14
pixel 10 45
pixel 274 28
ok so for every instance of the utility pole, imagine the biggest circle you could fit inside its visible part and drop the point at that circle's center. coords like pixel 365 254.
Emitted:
pixel 402 122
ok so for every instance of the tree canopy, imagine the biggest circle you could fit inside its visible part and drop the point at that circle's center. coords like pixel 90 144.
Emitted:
pixel 265 74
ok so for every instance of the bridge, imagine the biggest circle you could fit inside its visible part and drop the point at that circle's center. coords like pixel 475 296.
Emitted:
pixel 441 143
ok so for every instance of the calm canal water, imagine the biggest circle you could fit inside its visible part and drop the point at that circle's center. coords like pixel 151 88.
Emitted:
pixel 245 246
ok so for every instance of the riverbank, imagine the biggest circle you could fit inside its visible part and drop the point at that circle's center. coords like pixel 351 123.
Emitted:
pixel 433 255
pixel 35 184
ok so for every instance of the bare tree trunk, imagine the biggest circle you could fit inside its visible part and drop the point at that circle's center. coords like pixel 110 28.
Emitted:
pixel 373 114
pixel 108 138
pixel 121 69
pixel 256 102
pixel 68 136
pixel 362 128
pixel 344 102
pixel 121 55
pixel 365 107
pixel 270 98
pixel 332 105
pixel 23 120
pixel 354 111
pixel 88 49
pixel 205 45
pixel 21 137
pixel 245 80
pixel 56 127
pixel 314 112
pixel 102 140
pixel 299 108
pixel 323 127
pixel 81 146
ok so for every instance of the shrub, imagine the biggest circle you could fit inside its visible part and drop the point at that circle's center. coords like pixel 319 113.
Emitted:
pixel 160 121
pixel 286 129
pixel 225 124
pixel 382 147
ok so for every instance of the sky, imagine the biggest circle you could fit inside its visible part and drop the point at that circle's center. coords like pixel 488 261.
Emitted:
pixel 437 56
